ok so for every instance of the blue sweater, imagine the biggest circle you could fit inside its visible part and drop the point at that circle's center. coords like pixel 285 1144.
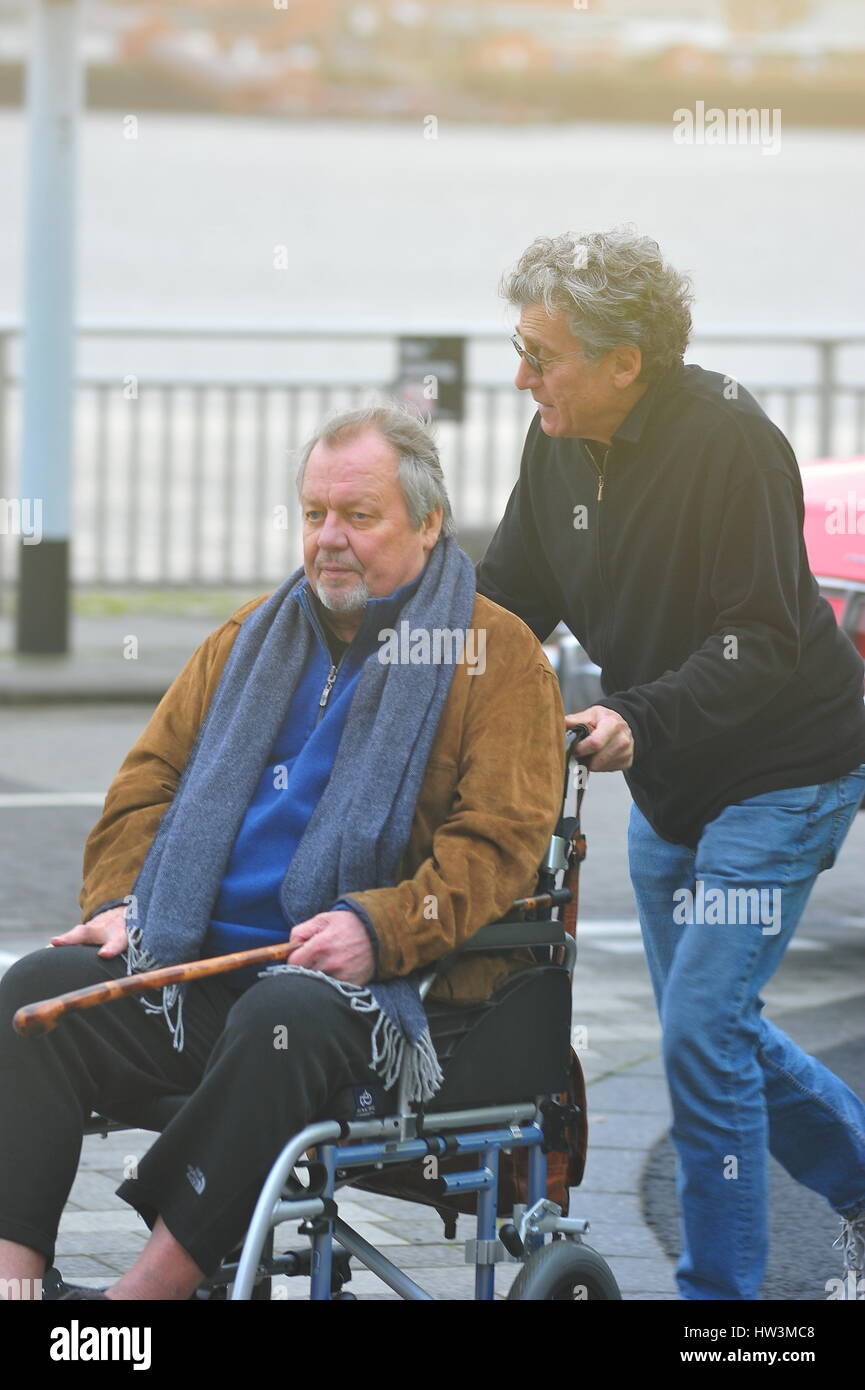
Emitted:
pixel 247 912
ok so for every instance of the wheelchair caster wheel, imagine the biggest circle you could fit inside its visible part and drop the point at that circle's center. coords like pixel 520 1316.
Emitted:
pixel 344 1298
pixel 567 1273
pixel 510 1239
pixel 53 1285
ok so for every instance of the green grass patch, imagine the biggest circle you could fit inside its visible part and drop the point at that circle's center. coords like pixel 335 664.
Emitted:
pixel 173 603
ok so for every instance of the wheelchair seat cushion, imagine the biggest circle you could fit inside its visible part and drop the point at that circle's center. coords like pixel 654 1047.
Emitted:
pixel 516 1047
pixel 509 1048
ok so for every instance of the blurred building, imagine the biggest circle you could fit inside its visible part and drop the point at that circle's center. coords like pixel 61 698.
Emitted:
pixel 626 59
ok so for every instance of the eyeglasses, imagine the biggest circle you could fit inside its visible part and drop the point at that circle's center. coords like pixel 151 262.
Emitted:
pixel 535 362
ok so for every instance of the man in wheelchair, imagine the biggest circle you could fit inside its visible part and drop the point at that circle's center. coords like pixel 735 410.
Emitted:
pixel 368 761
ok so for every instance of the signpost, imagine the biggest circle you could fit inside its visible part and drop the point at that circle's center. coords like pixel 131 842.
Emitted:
pixel 431 375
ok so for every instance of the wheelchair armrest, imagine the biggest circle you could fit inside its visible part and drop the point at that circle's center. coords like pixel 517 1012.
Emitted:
pixel 500 936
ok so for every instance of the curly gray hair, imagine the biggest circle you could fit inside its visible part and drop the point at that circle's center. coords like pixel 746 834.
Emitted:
pixel 614 287
pixel 410 435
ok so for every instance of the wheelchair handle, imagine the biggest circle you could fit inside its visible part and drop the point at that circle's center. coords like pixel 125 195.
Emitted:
pixel 575 736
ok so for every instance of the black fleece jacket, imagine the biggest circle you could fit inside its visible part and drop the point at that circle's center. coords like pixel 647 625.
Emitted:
pixel 688 583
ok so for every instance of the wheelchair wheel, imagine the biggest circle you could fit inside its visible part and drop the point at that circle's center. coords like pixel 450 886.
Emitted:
pixel 566 1272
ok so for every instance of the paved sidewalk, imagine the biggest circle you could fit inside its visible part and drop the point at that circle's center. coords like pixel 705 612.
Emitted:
pixel 103 664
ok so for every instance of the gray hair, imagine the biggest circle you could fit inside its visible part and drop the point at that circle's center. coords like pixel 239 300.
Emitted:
pixel 614 287
pixel 410 435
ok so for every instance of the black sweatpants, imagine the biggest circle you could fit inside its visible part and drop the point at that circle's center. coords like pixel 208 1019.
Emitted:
pixel 258 1067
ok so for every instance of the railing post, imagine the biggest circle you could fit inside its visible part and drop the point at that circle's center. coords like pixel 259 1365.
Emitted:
pixel 826 384
pixel 4 414
pixel 4 419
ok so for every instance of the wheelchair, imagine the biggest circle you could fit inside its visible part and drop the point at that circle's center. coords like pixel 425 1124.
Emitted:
pixel 512 1106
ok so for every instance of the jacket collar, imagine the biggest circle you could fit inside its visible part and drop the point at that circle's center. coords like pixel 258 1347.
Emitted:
pixel 631 429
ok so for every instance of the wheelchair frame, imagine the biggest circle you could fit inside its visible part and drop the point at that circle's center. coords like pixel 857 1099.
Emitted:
pixel 406 1136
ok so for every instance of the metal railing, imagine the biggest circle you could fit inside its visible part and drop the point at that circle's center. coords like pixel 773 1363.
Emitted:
pixel 184 475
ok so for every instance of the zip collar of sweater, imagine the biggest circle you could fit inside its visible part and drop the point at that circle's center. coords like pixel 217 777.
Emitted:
pixel 631 429
pixel 378 613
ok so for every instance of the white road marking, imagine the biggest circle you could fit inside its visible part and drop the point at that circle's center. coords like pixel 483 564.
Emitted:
pixel 12 801
pixel 616 935
pixel 619 948
pixel 613 934
pixel 608 926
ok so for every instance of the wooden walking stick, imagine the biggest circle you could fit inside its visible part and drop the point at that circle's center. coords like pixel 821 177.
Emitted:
pixel 35 1019
pixel 32 1020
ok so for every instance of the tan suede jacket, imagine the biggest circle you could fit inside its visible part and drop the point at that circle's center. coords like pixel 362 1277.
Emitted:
pixel 488 803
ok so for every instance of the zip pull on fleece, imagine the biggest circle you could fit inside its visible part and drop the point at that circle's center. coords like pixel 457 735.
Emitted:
pixel 328 687
pixel 598 467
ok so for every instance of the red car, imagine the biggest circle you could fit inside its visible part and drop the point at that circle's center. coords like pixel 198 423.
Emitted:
pixel 835 538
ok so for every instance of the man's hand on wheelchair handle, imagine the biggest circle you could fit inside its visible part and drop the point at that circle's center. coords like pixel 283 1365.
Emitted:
pixel 610 745
pixel 336 943
pixel 107 930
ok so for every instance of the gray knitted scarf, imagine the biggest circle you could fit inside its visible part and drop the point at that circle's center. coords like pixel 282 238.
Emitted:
pixel 357 834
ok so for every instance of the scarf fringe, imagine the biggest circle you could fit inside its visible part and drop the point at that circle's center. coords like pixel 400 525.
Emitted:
pixel 391 1052
pixel 138 959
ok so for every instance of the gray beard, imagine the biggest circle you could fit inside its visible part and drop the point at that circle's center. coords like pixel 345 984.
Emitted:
pixel 349 602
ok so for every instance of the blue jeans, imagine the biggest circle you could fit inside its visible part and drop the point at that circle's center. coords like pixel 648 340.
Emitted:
pixel 716 922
